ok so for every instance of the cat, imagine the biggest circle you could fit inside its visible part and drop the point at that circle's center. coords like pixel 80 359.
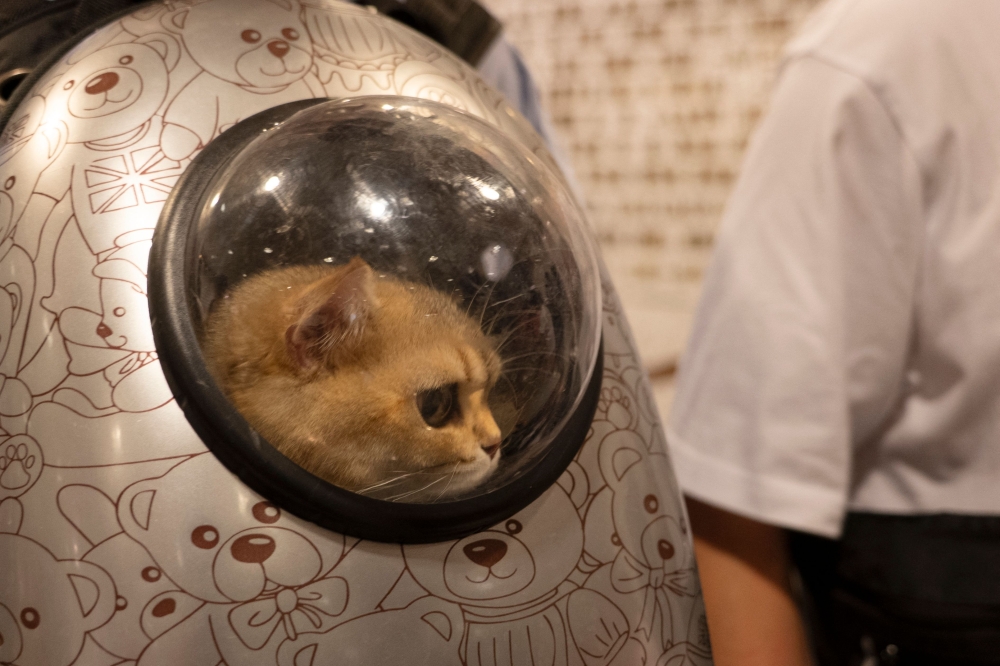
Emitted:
pixel 375 384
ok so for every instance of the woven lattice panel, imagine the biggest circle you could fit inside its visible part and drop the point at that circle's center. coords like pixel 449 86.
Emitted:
pixel 654 102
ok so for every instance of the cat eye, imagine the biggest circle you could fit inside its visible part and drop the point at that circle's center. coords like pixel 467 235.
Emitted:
pixel 439 406
pixel 250 36
pixel 290 34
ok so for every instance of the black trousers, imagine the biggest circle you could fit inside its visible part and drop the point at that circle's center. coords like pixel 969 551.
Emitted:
pixel 904 590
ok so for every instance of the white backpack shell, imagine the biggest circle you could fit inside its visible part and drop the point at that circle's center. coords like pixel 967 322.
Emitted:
pixel 118 527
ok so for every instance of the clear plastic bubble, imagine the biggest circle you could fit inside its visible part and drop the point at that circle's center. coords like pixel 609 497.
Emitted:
pixel 441 205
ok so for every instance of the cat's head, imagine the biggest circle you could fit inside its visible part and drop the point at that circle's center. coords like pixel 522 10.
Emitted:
pixel 378 385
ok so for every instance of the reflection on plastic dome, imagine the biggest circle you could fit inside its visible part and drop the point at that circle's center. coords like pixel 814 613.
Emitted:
pixel 397 297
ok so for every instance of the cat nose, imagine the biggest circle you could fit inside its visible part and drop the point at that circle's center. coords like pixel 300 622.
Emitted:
pixel 104 330
pixel 486 552
pixel 489 436
pixel 253 548
pixel 278 47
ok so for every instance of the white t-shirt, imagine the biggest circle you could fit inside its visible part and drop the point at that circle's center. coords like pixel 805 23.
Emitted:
pixel 846 353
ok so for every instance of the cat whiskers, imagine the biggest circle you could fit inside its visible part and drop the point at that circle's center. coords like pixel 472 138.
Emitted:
pixel 527 355
pixel 509 334
pixel 486 303
pixel 506 300
pixel 472 301
pixel 396 479
pixel 418 490
pixel 450 479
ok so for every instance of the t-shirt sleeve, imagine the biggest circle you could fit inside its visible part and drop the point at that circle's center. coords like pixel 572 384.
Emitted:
pixel 797 358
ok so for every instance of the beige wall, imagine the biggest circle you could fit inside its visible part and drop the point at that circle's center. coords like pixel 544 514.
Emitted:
pixel 654 101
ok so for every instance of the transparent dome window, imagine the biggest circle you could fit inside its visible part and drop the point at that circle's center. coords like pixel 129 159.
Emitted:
pixel 396 296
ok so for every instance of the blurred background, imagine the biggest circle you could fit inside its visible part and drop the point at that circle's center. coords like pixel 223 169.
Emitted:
pixel 653 102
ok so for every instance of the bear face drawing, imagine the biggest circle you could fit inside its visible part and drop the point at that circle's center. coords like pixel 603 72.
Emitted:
pixel 520 560
pixel 231 547
pixel 118 341
pixel 269 50
pixel 147 602
pixel 652 577
pixel 513 583
pixel 645 519
pixel 114 91
pixel 112 162
pixel 124 305
pixel 49 606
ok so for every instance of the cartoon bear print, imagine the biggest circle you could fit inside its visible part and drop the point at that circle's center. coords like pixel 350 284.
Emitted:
pixel 355 54
pixel 619 343
pixel 429 81
pixel 430 628
pixel 15 304
pixel 652 577
pixel 15 396
pixel 118 175
pixel 616 410
pixel 147 603
pixel 11 515
pixel 250 62
pixel 265 576
pixel 115 383
pixel 118 341
pixel 520 606
pixel 27 148
pixel 47 609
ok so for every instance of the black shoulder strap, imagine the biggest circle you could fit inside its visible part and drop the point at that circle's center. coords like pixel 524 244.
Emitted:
pixel 89 12
pixel 462 26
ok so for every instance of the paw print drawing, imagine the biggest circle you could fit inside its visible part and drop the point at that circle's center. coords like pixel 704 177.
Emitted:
pixel 616 406
pixel 20 465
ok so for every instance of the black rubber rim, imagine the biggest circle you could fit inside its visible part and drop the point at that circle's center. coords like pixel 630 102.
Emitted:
pixel 245 453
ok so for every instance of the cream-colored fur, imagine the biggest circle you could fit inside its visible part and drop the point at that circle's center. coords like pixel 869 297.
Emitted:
pixel 327 364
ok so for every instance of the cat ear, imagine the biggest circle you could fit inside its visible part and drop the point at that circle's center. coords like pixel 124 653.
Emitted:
pixel 334 314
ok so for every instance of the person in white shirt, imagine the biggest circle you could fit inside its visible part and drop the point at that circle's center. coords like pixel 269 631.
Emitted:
pixel 843 374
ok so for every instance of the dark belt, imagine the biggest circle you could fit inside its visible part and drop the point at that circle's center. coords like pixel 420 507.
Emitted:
pixel 904 590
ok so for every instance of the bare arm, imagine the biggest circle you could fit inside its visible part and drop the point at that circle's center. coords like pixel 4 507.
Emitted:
pixel 743 564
